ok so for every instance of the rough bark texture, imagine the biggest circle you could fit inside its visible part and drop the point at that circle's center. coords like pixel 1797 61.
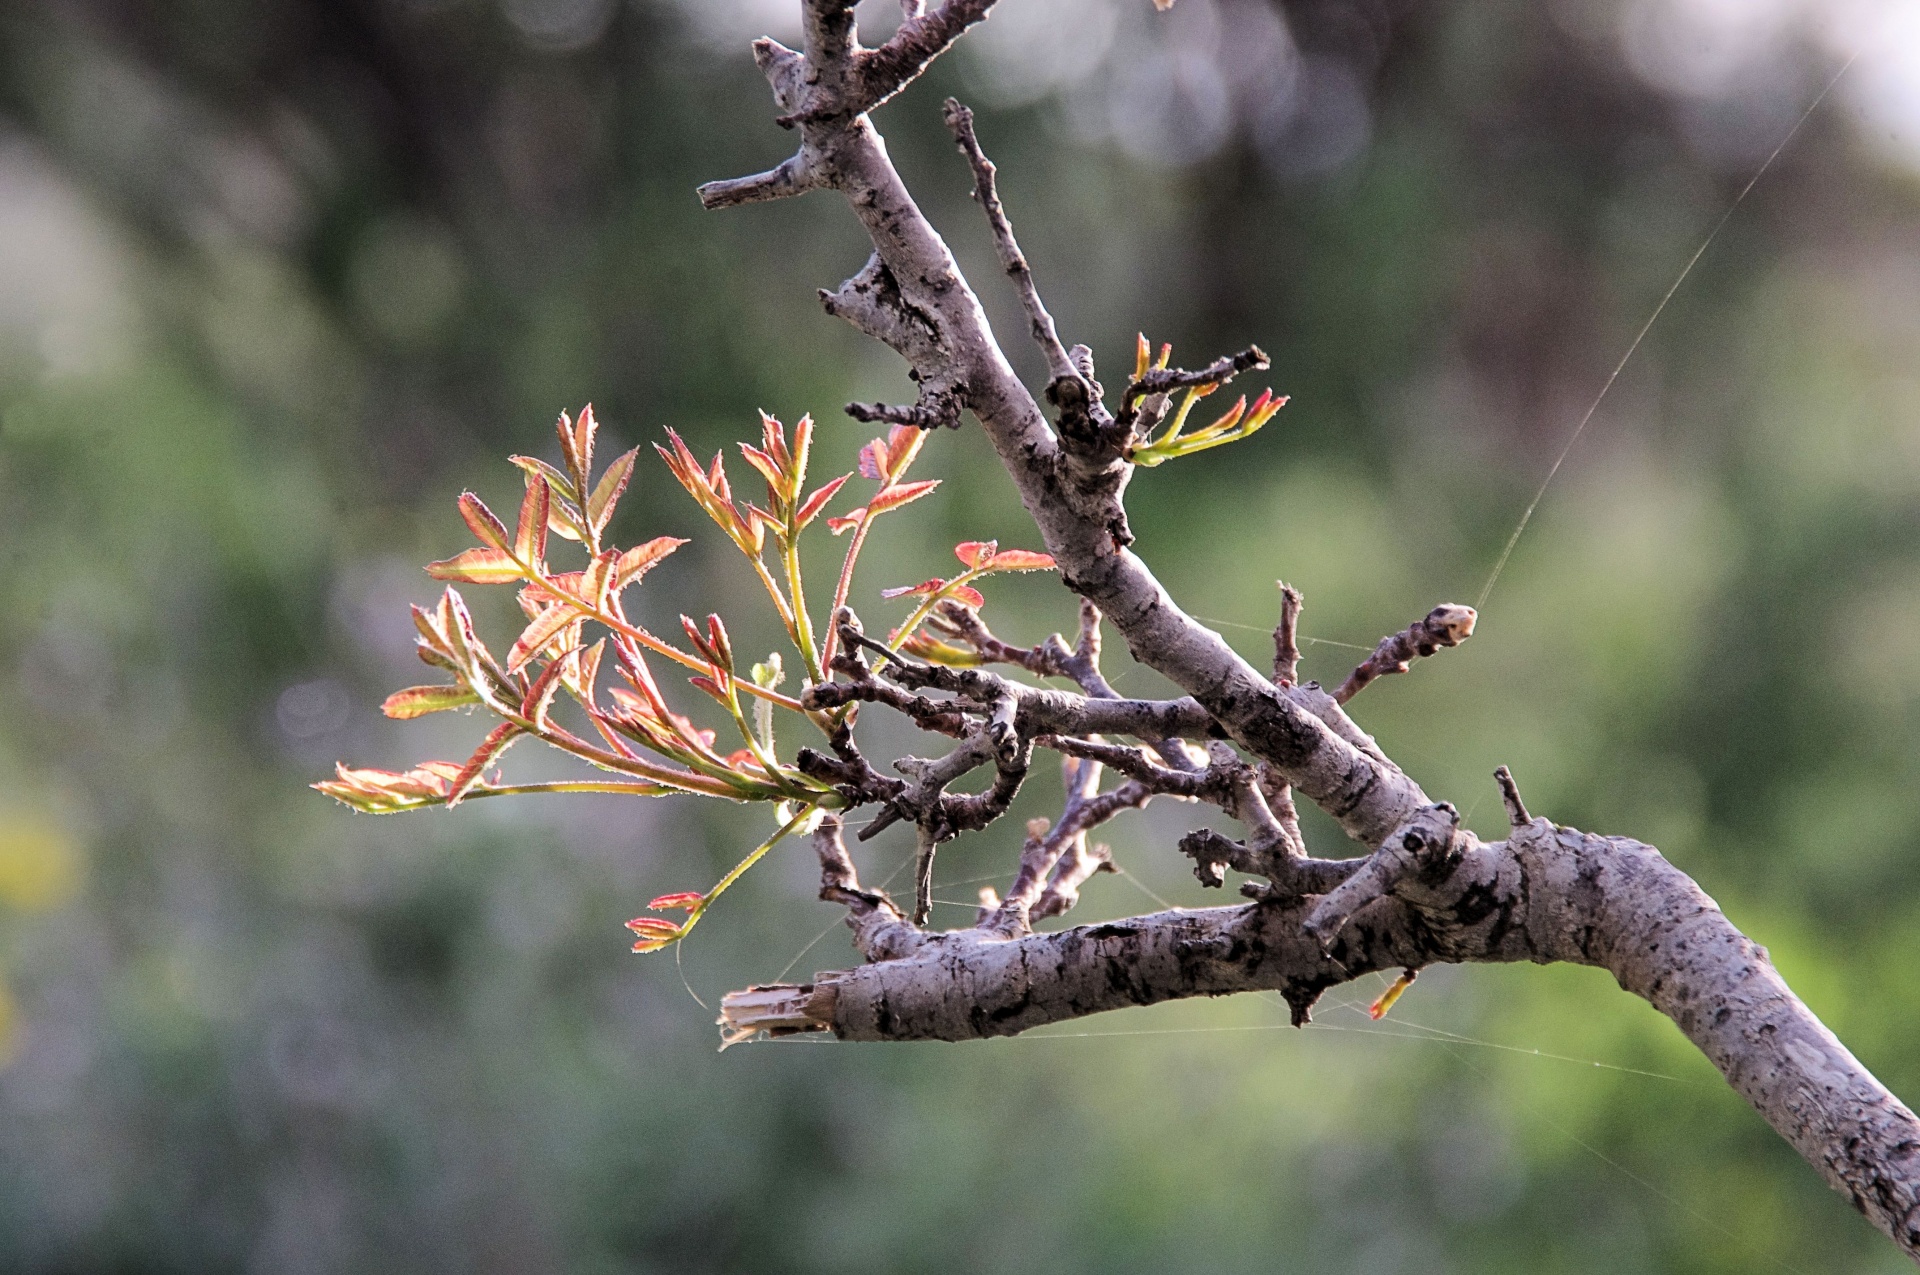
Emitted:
pixel 1425 893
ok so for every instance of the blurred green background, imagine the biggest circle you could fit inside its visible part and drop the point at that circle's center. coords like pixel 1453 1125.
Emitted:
pixel 278 278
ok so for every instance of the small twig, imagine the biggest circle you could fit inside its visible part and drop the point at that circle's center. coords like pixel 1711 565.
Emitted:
pixel 1164 380
pixel 1448 624
pixel 1055 859
pixel 1135 764
pixel 960 123
pixel 793 176
pixel 1291 876
pixel 1286 639
pixel 936 408
pixel 941 716
pixel 1079 863
pixel 1510 793
pixel 923 875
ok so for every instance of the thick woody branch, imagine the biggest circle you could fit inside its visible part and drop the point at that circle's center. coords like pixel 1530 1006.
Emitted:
pixel 1448 624
pixel 1545 894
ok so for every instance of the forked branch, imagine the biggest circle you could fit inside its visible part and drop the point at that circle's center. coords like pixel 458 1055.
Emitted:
pixel 1425 891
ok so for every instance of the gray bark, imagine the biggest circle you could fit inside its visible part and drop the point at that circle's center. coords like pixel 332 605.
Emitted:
pixel 1426 893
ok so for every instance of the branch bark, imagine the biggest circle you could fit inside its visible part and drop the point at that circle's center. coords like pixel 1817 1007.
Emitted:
pixel 1425 894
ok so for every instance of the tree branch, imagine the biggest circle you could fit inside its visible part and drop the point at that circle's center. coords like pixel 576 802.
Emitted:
pixel 960 123
pixel 1544 894
pixel 1448 624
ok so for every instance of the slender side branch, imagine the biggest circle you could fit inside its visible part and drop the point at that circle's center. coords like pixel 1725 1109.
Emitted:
pixel 1448 624
pixel 1286 636
pixel 960 123
pixel 1165 380
pixel 791 177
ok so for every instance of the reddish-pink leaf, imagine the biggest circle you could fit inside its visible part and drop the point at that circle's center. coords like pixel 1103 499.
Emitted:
pixel 719 642
pixel 925 588
pixel 445 771
pixel 905 493
pixel 433 635
pixel 769 467
pixel 530 537
pixel 481 520
pixel 539 697
pixel 1021 560
pixel 418 701
pixel 680 462
pixel 874 459
pixel 846 522
pixel 640 559
pixel 484 756
pixel 582 445
pixel 653 926
pixel 1231 416
pixel 549 625
pixel 535 598
pixel 585 672
pixel 903 444
pixel 478 566
pixel 667 902
pixel 561 484
pixel 717 479
pixel 976 553
pixel 606 492
pixel 698 638
pixel 597 580
pixel 818 500
pixel 802 445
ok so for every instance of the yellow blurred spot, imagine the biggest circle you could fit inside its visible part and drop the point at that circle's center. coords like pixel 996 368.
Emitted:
pixel 39 865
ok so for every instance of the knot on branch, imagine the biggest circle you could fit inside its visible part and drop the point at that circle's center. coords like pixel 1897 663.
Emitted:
pixel 1212 853
pixel 1426 848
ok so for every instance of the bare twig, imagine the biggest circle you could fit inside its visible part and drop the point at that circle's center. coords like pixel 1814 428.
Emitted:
pixel 935 409
pixel 1286 636
pixel 1164 380
pixel 960 123
pixel 1510 794
pixel 791 177
pixel 1448 624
